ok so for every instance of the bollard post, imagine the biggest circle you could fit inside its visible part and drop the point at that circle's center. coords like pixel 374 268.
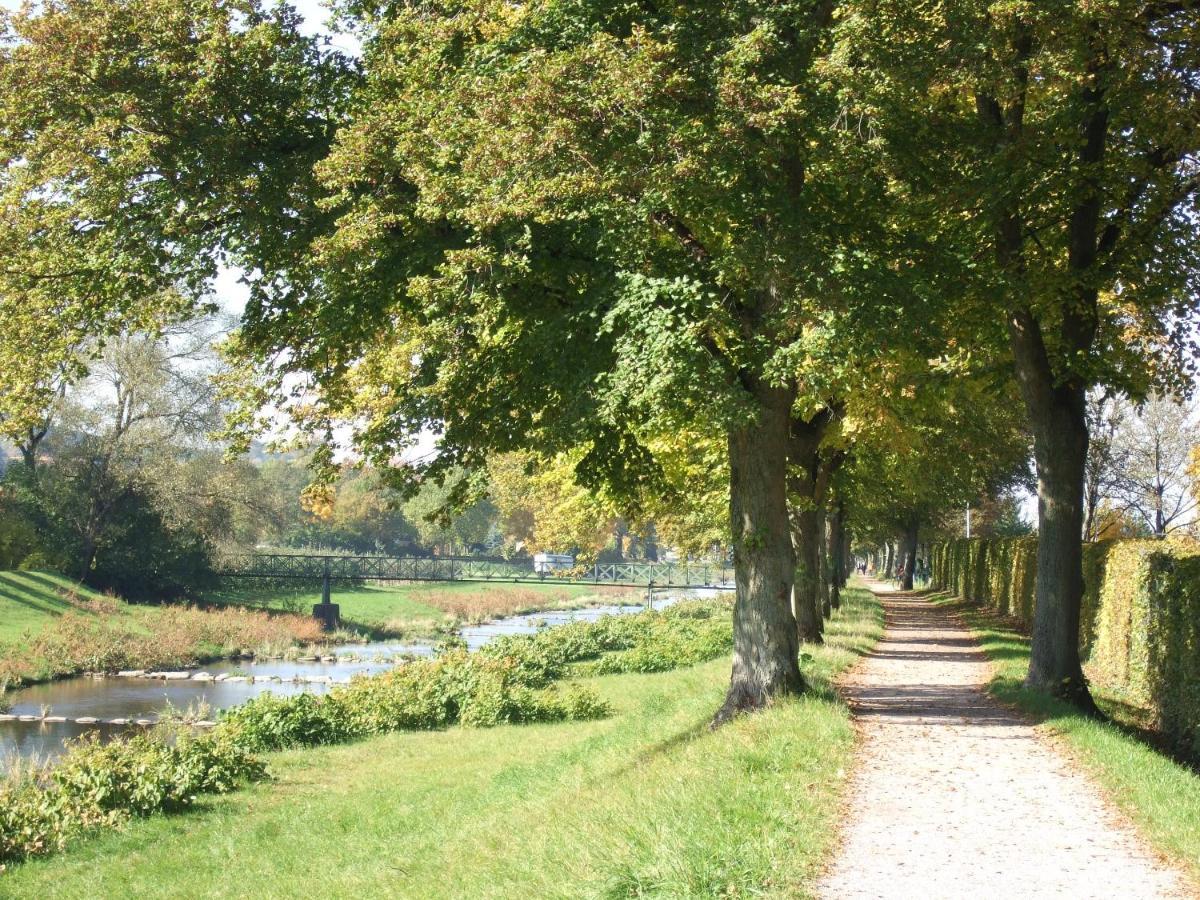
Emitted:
pixel 327 613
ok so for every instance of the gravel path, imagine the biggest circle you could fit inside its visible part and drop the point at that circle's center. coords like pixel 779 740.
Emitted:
pixel 956 795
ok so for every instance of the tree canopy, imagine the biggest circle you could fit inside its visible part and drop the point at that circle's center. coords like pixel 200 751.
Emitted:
pixel 803 256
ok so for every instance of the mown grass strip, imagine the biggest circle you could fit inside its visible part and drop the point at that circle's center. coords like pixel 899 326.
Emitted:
pixel 646 803
pixel 1161 795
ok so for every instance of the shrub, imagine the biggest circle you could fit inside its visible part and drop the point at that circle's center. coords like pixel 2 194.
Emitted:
pixel 97 784
pixel 1139 629
pixel 36 561
pixel 269 722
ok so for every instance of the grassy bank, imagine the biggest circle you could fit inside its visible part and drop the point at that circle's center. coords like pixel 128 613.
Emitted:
pixel 646 803
pixel 421 609
pixel 53 627
pixel 1159 794
pixel 29 601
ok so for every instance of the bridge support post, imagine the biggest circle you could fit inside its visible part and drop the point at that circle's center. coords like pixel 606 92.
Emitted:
pixel 328 614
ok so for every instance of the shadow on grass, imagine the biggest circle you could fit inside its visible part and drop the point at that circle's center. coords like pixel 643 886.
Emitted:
pixel 1004 641
pixel 38 593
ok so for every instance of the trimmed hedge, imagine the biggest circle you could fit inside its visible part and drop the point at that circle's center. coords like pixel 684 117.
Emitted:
pixel 1139 629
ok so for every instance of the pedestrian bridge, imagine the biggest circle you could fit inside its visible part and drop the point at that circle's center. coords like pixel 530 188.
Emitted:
pixel 309 567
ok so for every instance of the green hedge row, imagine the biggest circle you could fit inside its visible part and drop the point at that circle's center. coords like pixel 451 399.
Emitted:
pixel 511 680
pixel 1139 631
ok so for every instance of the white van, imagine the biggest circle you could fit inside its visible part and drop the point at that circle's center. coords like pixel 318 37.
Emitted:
pixel 550 562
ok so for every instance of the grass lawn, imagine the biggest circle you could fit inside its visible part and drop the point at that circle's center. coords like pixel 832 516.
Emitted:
pixel 29 601
pixel 423 608
pixel 1160 795
pixel 646 803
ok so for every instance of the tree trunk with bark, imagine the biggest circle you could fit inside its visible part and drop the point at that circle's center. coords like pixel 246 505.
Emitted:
pixel 804 459
pixel 806 592
pixel 845 556
pixel 830 596
pixel 837 560
pixel 909 552
pixel 1058 419
pixel 765 646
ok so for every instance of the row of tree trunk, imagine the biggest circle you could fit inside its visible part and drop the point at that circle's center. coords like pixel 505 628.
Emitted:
pixel 789 544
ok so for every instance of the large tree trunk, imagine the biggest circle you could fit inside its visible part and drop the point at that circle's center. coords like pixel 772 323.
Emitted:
pixel 887 567
pixel 806 592
pixel 829 589
pixel 823 586
pixel 836 561
pixel 1058 418
pixel 845 557
pixel 765 647
pixel 909 552
pixel 1060 450
pixel 87 558
pixel 804 488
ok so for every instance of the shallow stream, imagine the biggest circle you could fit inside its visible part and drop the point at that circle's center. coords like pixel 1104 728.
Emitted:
pixel 139 698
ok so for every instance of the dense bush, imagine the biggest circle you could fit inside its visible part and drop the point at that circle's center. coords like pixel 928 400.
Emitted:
pixel 99 784
pixel 139 549
pixel 509 681
pixel 1139 630
pixel 456 687
pixel 681 635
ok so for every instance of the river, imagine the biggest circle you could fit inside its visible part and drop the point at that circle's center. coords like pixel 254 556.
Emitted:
pixel 44 706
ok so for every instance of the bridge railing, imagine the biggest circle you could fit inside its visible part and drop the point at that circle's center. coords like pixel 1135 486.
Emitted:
pixel 415 568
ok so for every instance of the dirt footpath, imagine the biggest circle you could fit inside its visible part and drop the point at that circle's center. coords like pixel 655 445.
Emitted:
pixel 957 796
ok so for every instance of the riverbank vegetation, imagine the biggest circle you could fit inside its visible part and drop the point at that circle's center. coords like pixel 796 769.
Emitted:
pixel 424 609
pixel 64 630
pixel 659 804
